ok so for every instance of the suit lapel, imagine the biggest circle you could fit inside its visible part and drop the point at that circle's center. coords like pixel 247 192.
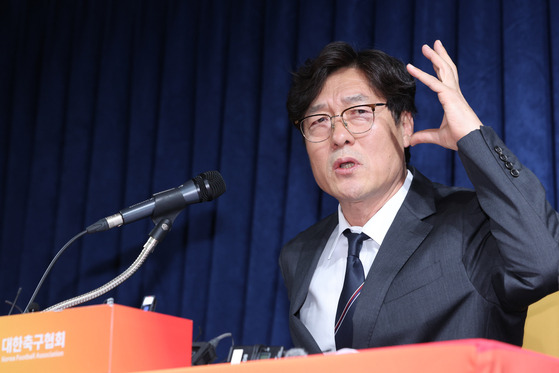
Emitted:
pixel 402 239
pixel 310 254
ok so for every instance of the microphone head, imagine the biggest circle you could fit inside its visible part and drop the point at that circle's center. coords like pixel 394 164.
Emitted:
pixel 33 307
pixel 211 185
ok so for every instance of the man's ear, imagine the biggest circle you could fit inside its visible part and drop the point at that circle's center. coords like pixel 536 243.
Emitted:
pixel 406 127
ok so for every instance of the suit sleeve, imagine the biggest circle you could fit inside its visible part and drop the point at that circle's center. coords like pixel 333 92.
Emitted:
pixel 525 227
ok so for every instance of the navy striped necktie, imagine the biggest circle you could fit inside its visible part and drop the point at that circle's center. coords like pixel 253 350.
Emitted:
pixel 353 282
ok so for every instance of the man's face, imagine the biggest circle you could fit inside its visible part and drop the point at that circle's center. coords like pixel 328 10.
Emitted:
pixel 365 169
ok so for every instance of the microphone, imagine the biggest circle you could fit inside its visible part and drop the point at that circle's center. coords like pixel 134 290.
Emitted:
pixel 204 187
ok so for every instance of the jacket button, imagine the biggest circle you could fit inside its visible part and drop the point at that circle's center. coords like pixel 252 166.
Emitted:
pixel 503 157
pixel 509 165
pixel 498 149
pixel 514 172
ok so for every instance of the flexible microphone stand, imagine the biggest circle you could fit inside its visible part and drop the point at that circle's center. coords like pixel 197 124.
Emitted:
pixel 163 225
pixel 157 235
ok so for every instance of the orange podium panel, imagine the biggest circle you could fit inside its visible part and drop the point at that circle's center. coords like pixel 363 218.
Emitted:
pixel 103 338
pixel 462 356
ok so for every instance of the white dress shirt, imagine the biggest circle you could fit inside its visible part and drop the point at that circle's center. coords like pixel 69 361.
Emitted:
pixel 318 313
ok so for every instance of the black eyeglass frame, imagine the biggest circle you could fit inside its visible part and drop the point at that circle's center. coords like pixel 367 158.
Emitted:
pixel 341 115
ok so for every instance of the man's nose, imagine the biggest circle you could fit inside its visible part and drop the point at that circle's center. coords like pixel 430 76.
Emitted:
pixel 340 134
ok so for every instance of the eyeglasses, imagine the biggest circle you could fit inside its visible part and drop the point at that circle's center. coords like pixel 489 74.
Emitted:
pixel 356 119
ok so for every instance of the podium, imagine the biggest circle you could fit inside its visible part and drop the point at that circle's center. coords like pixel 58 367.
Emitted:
pixel 460 356
pixel 103 338
pixel 113 338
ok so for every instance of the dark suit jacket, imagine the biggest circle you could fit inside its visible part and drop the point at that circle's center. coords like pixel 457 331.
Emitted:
pixel 454 264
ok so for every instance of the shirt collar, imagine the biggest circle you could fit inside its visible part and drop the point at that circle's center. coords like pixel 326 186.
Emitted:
pixel 378 225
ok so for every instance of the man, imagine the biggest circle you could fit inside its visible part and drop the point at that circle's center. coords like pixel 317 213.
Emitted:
pixel 436 263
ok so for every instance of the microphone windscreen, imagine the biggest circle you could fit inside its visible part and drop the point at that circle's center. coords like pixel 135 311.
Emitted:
pixel 33 307
pixel 211 185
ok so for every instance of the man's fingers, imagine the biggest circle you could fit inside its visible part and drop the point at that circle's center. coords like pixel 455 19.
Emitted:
pixel 442 63
pixel 429 80
pixel 428 136
pixel 432 136
pixel 441 51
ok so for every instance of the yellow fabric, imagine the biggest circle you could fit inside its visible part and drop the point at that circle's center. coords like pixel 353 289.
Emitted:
pixel 541 332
